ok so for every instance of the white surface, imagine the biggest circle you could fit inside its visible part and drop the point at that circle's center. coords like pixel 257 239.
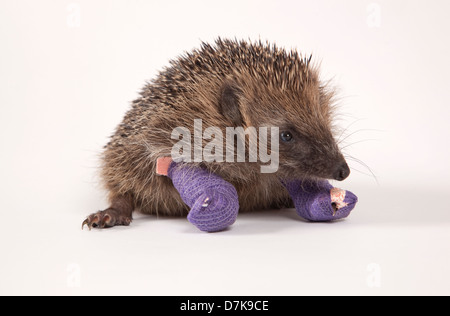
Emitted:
pixel 267 253
pixel 64 89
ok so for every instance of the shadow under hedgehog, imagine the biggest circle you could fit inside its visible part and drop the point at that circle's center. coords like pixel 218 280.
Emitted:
pixel 228 84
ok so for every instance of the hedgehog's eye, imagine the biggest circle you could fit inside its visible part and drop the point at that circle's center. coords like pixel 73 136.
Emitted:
pixel 286 136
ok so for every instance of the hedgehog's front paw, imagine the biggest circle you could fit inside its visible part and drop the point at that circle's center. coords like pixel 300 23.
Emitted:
pixel 333 205
pixel 107 218
pixel 214 211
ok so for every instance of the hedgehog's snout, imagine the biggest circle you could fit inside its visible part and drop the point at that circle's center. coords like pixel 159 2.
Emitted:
pixel 341 172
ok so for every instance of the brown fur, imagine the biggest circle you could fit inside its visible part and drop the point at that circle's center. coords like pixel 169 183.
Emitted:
pixel 270 86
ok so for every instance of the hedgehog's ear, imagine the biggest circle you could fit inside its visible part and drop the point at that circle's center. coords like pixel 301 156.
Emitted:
pixel 229 103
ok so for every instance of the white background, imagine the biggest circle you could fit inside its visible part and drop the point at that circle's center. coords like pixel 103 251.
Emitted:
pixel 68 72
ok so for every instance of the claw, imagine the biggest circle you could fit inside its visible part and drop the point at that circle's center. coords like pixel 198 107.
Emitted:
pixel 103 219
pixel 335 208
pixel 95 221
pixel 85 222
pixel 106 220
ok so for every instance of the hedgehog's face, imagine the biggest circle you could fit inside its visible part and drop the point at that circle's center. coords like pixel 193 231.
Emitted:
pixel 307 148
pixel 304 156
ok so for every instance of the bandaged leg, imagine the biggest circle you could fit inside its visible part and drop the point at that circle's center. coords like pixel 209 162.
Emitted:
pixel 213 201
pixel 319 201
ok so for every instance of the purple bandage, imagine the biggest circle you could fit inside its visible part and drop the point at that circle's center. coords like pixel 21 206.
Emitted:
pixel 314 200
pixel 213 201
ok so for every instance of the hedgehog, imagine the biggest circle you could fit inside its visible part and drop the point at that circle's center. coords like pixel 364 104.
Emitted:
pixel 229 83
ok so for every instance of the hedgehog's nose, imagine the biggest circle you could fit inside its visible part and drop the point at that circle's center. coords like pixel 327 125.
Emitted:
pixel 341 172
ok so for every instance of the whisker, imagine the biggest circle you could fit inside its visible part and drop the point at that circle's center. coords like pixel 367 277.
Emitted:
pixel 362 172
pixel 346 129
pixel 358 131
pixel 362 163
pixel 361 141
